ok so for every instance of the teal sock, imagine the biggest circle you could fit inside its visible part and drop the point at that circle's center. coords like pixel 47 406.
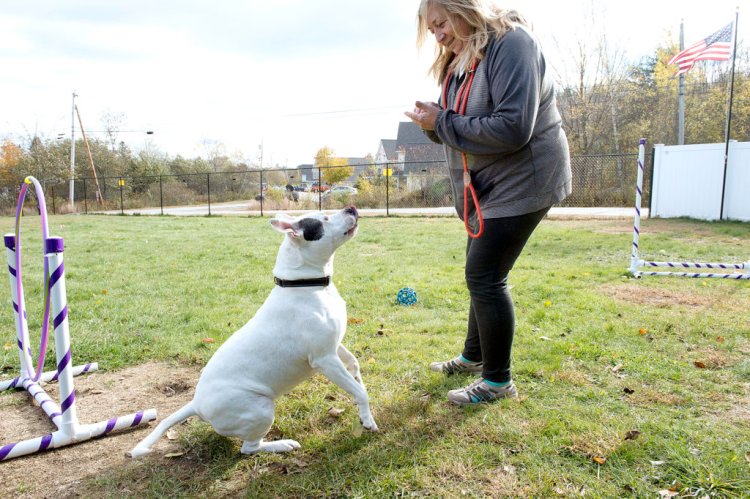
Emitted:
pixel 495 384
pixel 467 361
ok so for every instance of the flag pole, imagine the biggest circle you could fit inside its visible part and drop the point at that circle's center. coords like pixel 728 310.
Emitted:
pixel 729 116
pixel 681 93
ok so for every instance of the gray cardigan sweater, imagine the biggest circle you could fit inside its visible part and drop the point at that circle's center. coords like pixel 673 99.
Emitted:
pixel 516 148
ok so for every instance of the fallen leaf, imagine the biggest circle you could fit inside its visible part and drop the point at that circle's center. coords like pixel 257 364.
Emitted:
pixel 208 340
pixel 747 456
pixel 616 368
pixel 509 469
pixel 330 397
pixel 657 463
pixel 668 493
pixel 599 459
pixel 104 291
pixel 358 429
pixel 643 331
pixel 300 463
pixel 355 320
pixel 699 364
pixel 7 346
pixel 720 339
pixel 278 468
pixel 335 412
pixel 627 390
pixel 632 435
pixel 172 434
pixel 545 338
pixel 175 454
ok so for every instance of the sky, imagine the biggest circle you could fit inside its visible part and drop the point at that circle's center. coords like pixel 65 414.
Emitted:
pixel 277 79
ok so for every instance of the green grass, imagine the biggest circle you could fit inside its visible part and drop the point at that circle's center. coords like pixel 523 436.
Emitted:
pixel 597 354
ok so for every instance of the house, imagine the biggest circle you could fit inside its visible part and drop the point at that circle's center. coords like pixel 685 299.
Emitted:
pixel 411 153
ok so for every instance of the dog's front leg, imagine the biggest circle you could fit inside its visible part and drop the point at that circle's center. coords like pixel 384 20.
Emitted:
pixel 350 362
pixel 333 368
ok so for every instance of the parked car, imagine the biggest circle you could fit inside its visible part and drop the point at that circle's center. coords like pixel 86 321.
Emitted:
pixel 319 188
pixel 341 190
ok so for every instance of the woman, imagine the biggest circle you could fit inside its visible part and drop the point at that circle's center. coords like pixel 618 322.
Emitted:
pixel 498 120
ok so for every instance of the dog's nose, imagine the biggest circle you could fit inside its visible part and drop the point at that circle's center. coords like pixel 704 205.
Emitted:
pixel 351 210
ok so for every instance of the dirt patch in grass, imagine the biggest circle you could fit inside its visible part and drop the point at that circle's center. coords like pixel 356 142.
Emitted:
pixel 663 297
pixel 99 396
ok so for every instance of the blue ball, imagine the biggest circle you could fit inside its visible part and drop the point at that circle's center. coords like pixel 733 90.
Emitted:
pixel 407 296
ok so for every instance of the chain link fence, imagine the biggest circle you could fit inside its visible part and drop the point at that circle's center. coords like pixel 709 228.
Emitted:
pixel 606 180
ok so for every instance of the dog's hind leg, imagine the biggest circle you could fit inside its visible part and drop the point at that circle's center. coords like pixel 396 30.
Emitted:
pixel 256 423
pixel 144 446
pixel 350 362
pixel 333 368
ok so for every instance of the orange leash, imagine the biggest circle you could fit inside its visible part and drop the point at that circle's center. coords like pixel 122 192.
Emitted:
pixel 462 97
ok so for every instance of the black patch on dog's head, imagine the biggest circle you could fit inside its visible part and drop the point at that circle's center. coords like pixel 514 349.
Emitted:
pixel 311 228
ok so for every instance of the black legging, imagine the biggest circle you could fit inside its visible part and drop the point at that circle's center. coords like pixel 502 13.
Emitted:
pixel 491 318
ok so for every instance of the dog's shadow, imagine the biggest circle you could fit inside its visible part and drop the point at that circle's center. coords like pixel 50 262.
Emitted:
pixel 414 423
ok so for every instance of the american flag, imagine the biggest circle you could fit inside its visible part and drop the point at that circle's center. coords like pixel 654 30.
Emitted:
pixel 715 47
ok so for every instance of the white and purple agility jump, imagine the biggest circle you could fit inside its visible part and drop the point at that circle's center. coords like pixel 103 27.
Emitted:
pixel 63 415
pixel 722 270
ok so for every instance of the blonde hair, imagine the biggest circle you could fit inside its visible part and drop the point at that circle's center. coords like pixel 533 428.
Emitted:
pixel 485 22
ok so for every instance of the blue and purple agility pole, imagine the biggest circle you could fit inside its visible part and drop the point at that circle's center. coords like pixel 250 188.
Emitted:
pixel 62 413
pixel 717 270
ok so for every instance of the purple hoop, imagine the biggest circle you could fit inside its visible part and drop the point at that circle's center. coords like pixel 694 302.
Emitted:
pixel 25 350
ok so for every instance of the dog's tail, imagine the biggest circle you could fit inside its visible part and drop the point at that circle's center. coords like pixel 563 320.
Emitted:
pixel 144 446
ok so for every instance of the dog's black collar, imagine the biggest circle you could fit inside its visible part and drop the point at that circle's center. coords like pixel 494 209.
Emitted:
pixel 302 283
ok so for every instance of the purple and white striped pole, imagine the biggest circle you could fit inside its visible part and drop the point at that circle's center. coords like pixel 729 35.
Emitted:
pixel 63 415
pixel 636 262
pixel 22 329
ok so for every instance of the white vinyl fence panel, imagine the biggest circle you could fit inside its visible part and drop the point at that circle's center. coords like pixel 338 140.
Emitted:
pixel 688 180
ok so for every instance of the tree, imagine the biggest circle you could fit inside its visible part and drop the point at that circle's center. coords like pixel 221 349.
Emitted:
pixel 334 169
pixel 112 123
pixel 10 158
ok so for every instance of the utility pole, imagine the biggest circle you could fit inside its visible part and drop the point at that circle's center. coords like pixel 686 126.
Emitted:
pixel 71 191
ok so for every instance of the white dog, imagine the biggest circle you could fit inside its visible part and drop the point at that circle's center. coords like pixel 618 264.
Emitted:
pixel 295 333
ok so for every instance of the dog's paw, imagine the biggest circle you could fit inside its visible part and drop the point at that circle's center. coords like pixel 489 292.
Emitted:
pixel 275 446
pixel 137 452
pixel 370 425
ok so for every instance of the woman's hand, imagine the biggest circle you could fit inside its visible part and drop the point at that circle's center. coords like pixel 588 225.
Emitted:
pixel 425 114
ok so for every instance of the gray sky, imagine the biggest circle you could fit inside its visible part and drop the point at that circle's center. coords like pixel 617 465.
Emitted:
pixel 293 75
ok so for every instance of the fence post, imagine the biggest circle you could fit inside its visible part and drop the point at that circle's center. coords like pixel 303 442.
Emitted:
pixel 85 198
pixel 387 186
pixel 261 192
pixel 161 197
pixel 122 184
pixel 208 189
pixel 320 190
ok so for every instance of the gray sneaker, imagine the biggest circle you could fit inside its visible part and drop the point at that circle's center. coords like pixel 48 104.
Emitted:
pixel 457 365
pixel 481 391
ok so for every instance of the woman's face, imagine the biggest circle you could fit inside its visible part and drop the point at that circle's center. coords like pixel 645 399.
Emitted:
pixel 447 33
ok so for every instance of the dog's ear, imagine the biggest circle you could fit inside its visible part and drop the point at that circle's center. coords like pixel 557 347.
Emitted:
pixel 287 227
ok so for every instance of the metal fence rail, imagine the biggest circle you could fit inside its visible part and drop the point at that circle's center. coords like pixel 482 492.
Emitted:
pixel 605 180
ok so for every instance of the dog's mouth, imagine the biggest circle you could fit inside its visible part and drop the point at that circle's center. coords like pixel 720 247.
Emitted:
pixel 352 211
